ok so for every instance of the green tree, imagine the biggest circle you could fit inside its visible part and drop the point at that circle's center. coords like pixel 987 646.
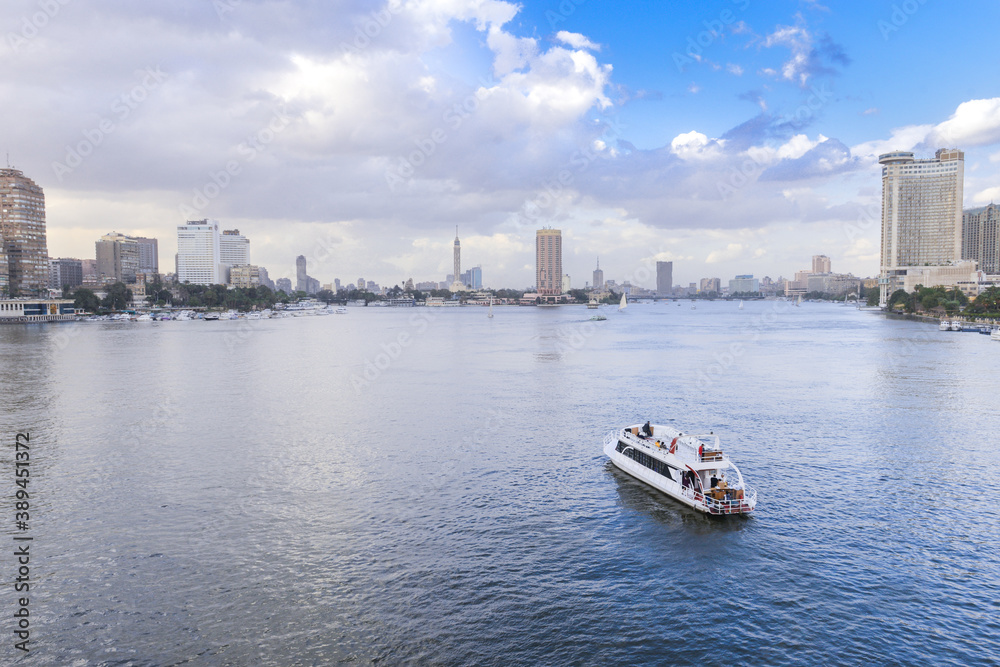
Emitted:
pixel 85 299
pixel 902 300
pixel 986 303
pixel 326 296
pixel 873 294
pixel 119 297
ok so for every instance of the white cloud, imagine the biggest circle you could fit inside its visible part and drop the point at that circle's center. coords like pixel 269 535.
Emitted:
pixel 731 252
pixel 974 123
pixel 987 196
pixel 902 139
pixel 576 40
pixel 735 69
pixel 694 145
pixel 799 41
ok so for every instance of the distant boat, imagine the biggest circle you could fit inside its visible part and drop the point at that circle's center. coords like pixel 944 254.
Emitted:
pixel 490 314
pixel 995 335
pixel 741 304
pixel 945 325
pixel 799 302
pixel 598 318
pixel 593 304
pixel 623 304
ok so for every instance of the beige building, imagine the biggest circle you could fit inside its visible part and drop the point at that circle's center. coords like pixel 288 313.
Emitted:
pixel 821 264
pixel 962 275
pixel 548 262
pixel 244 275
pixel 24 256
pixel 117 258
pixel 921 214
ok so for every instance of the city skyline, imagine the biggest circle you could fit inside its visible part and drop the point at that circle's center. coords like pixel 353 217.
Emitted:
pixel 730 139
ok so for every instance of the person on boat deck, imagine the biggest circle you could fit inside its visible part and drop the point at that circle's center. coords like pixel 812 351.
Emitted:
pixel 647 430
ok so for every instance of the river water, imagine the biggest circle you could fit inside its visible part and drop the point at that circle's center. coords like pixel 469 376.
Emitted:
pixel 428 486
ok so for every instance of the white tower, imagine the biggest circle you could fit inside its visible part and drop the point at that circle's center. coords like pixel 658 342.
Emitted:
pixel 457 285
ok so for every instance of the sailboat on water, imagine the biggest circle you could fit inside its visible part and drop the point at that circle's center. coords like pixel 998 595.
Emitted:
pixel 741 304
pixel 490 314
pixel 622 304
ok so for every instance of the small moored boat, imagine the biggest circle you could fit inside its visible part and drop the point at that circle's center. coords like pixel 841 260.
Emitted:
pixel 690 468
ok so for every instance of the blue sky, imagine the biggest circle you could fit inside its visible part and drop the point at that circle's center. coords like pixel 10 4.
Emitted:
pixel 360 133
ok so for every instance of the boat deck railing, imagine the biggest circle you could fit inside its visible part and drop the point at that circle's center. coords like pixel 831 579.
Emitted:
pixel 687 447
pixel 727 505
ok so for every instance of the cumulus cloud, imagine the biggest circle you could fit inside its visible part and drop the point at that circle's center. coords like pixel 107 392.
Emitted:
pixel 811 54
pixel 576 40
pixel 974 123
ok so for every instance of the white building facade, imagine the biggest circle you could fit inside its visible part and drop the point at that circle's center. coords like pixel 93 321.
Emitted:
pixel 198 253
pixel 921 215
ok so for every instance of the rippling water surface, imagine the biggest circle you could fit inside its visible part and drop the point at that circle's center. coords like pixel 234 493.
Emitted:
pixel 428 486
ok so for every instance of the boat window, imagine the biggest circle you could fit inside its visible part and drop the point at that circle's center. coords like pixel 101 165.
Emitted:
pixel 642 458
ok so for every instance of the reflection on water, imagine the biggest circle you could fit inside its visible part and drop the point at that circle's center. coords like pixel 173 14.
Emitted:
pixel 229 496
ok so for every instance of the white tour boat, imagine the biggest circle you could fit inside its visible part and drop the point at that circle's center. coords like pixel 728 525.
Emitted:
pixel 956 325
pixel 945 325
pixel 688 467
pixel 995 334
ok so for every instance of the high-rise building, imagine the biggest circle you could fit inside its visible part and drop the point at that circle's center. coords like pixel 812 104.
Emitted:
pixel 821 264
pixel 980 237
pixel 234 250
pixel 745 284
pixel 921 214
pixel 117 258
pixel 198 259
pixel 284 285
pixel 24 255
pixel 598 276
pixel 149 255
pixel 65 271
pixel 473 278
pixel 567 284
pixel 548 262
pixel 265 280
pixel 301 276
pixel 710 285
pixel 664 278
pixel 303 281
pixel 244 275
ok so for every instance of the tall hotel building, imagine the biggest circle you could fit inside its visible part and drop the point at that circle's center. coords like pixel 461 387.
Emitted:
pixel 24 257
pixel 548 262
pixel 664 278
pixel 234 250
pixel 921 215
pixel 198 253
pixel 981 237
